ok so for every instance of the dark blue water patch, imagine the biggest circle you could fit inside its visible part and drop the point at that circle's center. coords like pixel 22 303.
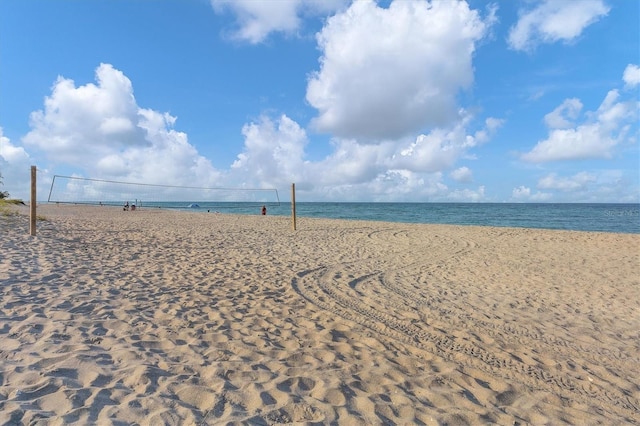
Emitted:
pixel 624 218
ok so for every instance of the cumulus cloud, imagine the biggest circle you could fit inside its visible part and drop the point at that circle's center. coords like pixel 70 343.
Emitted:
pixel 590 186
pixel 586 141
pixel 554 20
pixel 441 148
pixel 100 132
pixel 256 20
pixel 100 129
pixel 11 153
pixel 595 137
pixel 521 192
pixel 87 121
pixel 492 125
pixel 563 116
pixel 462 174
pixel 469 195
pixel 579 181
pixel 15 164
pixel 389 186
pixel 438 150
pixel 274 155
pixel 353 163
pixel 524 194
pixel 403 185
pixel 385 73
pixel 631 76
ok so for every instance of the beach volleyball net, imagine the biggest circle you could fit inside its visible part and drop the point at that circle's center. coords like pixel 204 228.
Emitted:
pixel 77 190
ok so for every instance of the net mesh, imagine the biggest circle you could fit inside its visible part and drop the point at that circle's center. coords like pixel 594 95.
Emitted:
pixel 76 190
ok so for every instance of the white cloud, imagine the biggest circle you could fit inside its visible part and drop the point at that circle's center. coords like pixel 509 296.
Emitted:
pixel 99 128
pixel 631 76
pixel 579 181
pixel 612 113
pixel 402 185
pixel 563 116
pixel 555 20
pixel 491 127
pixel 524 194
pixel 99 131
pixel 15 168
pixel 10 153
pixel 389 186
pixel 353 163
pixel 521 192
pixel 441 148
pixel 115 126
pixel 273 153
pixel 258 19
pixel 462 174
pixel 82 123
pixel 591 186
pixel 596 137
pixel 467 195
pixel 586 141
pixel 386 73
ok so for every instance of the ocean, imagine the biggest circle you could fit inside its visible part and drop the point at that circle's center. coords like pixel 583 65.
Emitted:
pixel 622 218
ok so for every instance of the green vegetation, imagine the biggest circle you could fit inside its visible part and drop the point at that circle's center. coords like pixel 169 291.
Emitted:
pixel 6 204
pixel 7 210
pixel 5 207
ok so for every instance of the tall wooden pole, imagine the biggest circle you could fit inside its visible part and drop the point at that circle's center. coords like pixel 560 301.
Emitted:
pixel 293 205
pixel 32 226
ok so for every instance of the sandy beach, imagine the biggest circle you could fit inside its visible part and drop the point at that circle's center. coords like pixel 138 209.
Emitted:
pixel 158 317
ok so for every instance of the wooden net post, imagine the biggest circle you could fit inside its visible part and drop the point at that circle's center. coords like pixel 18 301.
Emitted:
pixel 293 205
pixel 32 225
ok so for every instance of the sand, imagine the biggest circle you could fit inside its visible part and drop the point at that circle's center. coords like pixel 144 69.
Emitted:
pixel 158 317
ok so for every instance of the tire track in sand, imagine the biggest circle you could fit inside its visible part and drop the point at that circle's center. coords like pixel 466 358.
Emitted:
pixel 384 295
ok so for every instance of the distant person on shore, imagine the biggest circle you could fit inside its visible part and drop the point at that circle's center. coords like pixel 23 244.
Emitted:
pixel 126 206
pixel 264 210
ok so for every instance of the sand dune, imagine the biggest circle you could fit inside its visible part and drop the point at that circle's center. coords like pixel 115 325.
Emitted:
pixel 159 317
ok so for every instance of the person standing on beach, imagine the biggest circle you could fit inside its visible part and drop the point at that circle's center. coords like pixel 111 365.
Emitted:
pixel 264 210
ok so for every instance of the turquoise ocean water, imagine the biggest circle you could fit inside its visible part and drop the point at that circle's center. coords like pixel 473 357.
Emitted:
pixel 623 218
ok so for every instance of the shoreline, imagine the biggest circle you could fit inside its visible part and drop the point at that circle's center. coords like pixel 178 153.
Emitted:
pixel 588 217
pixel 160 316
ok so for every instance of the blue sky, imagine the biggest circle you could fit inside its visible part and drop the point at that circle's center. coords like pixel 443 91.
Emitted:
pixel 505 101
